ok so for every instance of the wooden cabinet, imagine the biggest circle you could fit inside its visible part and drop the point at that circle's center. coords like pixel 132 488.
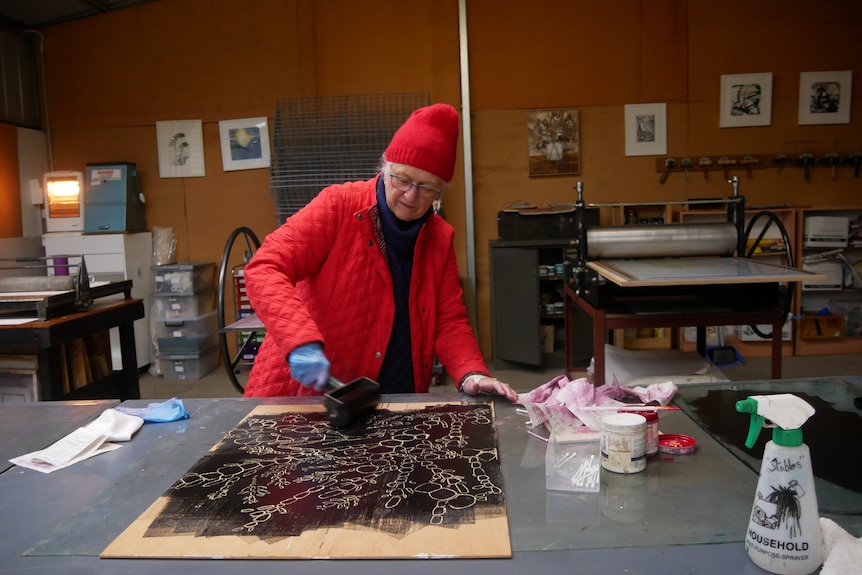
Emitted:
pixel 830 240
pixel 114 257
pixel 527 313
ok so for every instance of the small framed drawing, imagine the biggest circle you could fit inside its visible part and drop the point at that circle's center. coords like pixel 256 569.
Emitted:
pixel 746 100
pixel 244 143
pixel 553 142
pixel 181 149
pixel 824 97
pixel 646 129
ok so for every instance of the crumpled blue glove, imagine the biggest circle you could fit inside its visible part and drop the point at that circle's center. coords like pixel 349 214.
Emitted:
pixel 170 410
pixel 309 366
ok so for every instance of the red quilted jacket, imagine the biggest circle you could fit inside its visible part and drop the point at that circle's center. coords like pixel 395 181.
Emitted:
pixel 323 277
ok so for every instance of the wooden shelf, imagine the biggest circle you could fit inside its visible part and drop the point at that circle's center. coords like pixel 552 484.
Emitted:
pixel 628 338
pixel 645 211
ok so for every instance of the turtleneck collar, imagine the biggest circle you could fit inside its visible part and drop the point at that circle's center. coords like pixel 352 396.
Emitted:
pixel 398 233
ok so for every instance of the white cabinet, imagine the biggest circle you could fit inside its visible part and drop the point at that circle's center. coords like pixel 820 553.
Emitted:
pixel 114 257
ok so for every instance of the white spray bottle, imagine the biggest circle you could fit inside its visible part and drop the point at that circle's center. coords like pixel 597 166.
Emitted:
pixel 784 529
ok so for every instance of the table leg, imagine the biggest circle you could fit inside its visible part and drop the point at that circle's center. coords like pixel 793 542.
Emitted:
pixel 701 339
pixel 568 327
pixel 51 371
pixel 777 324
pixel 129 385
pixel 599 328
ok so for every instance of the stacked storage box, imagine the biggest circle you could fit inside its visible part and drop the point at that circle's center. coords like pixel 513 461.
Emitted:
pixel 184 323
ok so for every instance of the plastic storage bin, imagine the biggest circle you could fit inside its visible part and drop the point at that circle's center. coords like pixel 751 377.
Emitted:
pixel 183 278
pixel 181 367
pixel 183 336
pixel 170 305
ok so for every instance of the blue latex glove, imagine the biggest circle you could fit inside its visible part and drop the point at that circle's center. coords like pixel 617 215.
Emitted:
pixel 309 366
pixel 170 410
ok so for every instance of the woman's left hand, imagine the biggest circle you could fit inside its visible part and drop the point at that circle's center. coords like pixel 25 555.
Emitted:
pixel 489 386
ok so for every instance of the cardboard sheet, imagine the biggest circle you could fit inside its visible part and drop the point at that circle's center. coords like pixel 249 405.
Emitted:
pixel 413 481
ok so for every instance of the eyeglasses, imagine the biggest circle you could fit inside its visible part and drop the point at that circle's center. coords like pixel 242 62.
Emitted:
pixel 402 184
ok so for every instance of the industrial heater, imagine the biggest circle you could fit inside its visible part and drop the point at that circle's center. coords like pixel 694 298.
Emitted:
pixel 62 200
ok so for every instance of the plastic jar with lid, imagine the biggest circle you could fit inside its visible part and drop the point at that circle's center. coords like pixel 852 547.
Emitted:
pixel 622 442
pixel 651 433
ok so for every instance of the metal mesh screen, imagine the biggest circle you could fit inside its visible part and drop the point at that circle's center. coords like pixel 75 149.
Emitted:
pixel 322 141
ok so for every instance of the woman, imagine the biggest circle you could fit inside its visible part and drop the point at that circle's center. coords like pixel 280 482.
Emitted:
pixel 363 280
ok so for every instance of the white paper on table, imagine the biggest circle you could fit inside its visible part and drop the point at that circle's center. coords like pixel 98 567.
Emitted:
pixel 31 462
pixel 87 441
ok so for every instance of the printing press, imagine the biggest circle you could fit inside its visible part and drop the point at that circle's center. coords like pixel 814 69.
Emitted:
pixel 676 275
pixel 45 297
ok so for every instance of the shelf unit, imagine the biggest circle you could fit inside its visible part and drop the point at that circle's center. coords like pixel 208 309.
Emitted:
pixel 647 212
pixel 772 250
pixel 846 300
pixel 528 319
pixel 247 342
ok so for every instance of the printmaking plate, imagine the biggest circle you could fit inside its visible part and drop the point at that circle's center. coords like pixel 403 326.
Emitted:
pixel 412 481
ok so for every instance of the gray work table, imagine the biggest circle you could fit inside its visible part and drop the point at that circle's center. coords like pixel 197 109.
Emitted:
pixel 34 426
pixel 682 515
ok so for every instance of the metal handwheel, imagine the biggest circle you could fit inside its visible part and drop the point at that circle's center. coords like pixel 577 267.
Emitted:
pixel 786 291
pixel 232 362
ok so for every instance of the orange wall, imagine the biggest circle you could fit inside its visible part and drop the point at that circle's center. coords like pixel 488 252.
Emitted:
pixel 111 77
pixel 10 200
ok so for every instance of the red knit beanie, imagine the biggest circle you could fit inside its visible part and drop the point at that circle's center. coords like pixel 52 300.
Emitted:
pixel 428 140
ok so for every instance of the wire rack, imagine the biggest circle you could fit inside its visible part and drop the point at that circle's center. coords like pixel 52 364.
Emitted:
pixel 327 140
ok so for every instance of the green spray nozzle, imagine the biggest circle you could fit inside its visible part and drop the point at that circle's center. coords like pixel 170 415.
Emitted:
pixel 785 412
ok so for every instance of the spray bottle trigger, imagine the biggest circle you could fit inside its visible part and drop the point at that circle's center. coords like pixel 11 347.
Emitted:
pixel 754 428
pixel 755 424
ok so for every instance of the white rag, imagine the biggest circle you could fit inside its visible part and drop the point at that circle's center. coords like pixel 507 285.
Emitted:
pixel 842 553
pixel 117 426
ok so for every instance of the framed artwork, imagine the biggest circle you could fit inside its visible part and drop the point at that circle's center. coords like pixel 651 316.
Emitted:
pixel 646 129
pixel 746 100
pixel 244 144
pixel 824 97
pixel 181 149
pixel 553 142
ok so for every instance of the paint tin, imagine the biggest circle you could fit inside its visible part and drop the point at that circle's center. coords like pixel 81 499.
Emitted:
pixel 61 266
pixel 674 444
pixel 651 433
pixel 622 442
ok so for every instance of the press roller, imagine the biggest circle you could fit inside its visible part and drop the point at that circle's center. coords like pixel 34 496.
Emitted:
pixel 668 240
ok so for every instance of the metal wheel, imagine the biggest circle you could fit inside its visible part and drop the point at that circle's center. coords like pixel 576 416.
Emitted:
pixel 785 291
pixel 232 363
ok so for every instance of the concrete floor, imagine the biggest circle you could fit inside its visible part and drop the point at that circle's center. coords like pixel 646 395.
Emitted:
pixel 218 384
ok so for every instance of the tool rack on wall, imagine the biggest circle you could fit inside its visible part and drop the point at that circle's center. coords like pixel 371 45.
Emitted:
pixel 747 162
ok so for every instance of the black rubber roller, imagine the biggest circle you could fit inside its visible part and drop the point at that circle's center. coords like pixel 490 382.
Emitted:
pixel 347 402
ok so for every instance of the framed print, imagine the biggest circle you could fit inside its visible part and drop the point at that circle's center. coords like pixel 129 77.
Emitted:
pixel 181 149
pixel 746 100
pixel 646 129
pixel 553 142
pixel 244 144
pixel 824 97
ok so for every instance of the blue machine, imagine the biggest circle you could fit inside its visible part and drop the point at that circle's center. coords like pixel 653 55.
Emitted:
pixel 113 202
